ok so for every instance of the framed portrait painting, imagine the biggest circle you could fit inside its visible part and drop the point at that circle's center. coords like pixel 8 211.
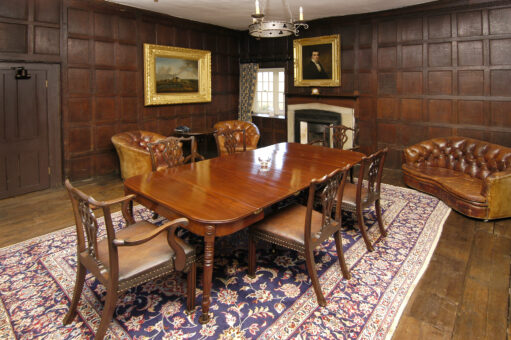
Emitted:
pixel 317 61
pixel 174 75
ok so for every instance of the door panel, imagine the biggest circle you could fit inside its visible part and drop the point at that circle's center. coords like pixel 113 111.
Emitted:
pixel 24 136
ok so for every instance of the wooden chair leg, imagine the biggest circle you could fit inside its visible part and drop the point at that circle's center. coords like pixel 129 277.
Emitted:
pixel 380 220
pixel 108 312
pixel 340 254
pixel 311 268
pixel 251 256
pixel 80 280
pixel 130 208
pixel 362 227
pixel 191 281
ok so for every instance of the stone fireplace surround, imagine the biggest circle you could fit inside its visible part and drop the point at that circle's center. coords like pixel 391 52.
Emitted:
pixel 347 117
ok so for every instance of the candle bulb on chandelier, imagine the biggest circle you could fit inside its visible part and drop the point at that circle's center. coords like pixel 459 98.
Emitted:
pixel 257 6
pixel 301 13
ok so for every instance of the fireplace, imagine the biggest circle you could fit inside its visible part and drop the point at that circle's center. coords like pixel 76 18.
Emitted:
pixel 310 124
pixel 306 122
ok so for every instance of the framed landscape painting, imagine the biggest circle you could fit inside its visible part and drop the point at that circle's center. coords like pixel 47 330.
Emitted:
pixel 317 61
pixel 175 75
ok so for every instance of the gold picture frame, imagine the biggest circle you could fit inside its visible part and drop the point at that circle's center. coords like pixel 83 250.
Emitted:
pixel 175 75
pixel 308 52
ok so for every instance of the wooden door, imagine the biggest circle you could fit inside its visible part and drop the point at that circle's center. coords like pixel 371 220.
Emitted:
pixel 24 129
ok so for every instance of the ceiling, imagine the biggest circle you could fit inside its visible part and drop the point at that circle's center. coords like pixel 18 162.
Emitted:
pixel 235 14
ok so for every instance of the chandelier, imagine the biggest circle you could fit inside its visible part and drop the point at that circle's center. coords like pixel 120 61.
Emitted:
pixel 261 28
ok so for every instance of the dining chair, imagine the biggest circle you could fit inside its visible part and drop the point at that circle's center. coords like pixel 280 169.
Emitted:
pixel 228 141
pixel 126 258
pixel 168 152
pixel 302 229
pixel 339 135
pixel 252 134
pixel 358 197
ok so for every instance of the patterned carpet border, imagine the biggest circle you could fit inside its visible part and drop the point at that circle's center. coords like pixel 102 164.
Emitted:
pixel 37 280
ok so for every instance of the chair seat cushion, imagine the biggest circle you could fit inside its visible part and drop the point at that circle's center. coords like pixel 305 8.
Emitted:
pixel 457 183
pixel 288 224
pixel 134 260
pixel 349 196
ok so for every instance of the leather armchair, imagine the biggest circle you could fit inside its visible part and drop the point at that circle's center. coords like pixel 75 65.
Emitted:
pixel 251 134
pixel 471 176
pixel 133 151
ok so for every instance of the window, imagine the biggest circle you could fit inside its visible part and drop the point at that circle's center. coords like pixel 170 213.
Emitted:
pixel 270 92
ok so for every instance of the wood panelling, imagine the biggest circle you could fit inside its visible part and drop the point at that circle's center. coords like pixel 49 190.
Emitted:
pixel 99 46
pixel 437 69
pixel 428 71
pixel 13 38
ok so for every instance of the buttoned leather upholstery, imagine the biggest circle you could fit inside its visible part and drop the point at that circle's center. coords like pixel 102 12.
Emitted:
pixel 471 176
pixel 133 152
pixel 251 134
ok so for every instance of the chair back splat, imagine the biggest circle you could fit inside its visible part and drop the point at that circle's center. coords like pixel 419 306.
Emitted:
pixel 251 134
pixel 168 152
pixel 228 141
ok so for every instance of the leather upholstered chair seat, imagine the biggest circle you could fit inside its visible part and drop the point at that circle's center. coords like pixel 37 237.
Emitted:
pixel 471 176
pixel 133 151
pixel 251 134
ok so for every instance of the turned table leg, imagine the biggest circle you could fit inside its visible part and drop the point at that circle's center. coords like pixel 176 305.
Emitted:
pixel 209 250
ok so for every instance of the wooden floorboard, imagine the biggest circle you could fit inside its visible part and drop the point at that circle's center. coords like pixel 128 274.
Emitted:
pixel 463 294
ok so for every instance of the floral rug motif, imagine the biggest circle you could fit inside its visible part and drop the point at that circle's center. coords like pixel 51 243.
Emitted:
pixel 37 280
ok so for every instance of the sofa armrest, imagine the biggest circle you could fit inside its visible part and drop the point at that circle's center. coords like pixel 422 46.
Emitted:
pixel 497 189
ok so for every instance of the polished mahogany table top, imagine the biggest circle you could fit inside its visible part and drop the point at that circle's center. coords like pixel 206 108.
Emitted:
pixel 222 195
pixel 231 187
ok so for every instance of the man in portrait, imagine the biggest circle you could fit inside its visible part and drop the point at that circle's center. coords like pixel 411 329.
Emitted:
pixel 312 69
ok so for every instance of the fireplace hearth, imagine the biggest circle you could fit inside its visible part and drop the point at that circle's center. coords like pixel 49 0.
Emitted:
pixel 310 124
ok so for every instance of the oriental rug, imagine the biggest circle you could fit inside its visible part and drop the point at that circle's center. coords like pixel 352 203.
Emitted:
pixel 37 279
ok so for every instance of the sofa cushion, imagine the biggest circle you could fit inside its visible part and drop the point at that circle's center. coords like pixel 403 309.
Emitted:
pixel 460 184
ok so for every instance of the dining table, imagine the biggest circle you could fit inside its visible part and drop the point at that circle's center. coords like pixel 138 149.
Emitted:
pixel 223 195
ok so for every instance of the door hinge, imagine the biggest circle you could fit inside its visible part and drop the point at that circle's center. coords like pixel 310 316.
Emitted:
pixel 46 83
pixel 49 171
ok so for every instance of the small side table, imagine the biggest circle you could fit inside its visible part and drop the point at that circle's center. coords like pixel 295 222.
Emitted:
pixel 198 134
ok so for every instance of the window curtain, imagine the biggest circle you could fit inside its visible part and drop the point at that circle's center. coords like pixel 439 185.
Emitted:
pixel 248 82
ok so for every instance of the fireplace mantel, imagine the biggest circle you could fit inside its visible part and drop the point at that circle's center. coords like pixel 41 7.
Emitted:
pixel 336 100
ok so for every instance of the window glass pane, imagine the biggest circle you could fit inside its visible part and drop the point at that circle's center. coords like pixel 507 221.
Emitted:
pixel 266 86
pixel 270 92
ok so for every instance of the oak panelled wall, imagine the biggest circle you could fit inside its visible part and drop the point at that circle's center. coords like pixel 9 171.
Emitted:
pixel 99 46
pixel 421 72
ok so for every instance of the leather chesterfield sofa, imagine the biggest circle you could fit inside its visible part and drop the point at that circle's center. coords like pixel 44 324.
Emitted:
pixel 471 176
pixel 251 133
pixel 133 153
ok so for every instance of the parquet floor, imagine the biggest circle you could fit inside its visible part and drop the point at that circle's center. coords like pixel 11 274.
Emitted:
pixel 464 293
